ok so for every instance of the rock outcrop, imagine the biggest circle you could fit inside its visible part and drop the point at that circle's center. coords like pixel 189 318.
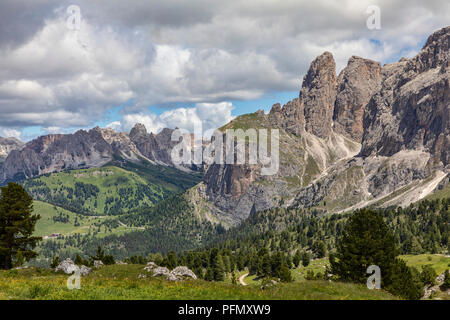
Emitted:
pixel 178 274
pixel 318 95
pixel 411 110
pixel 69 267
pixel 290 117
pixel 7 145
pixel 53 153
pixel 355 86
pixel 156 147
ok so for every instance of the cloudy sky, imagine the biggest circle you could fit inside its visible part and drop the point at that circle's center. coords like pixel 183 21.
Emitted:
pixel 176 63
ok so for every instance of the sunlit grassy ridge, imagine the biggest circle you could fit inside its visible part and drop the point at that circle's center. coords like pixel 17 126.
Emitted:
pixel 76 224
pixel 97 191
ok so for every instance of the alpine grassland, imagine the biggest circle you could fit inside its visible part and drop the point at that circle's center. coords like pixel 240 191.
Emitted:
pixel 122 282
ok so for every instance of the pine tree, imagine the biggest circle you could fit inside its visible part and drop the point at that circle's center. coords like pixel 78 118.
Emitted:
pixel 265 269
pixel 171 260
pixel 446 284
pixel 217 265
pixel 428 275
pixel 319 248
pixel 365 241
pixel 305 259
pixel 16 226
pixel 405 281
pixel 55 262
pixel 297 258
pixel 285 274
pixel 209 276
pixel 78 261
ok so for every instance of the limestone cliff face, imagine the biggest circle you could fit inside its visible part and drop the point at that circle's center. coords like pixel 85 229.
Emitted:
pixel 318 95
pixel 411 109
pixel 290 117
pixel 7 145
pixel 355 86
pixel 57 152
pixel 156 147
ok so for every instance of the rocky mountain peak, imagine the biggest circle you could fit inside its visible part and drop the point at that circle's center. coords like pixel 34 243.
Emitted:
pixel 356 84
pixel 290 117
pixel 434 53
pixel 138 130
pixel 318 95
pixel 411 110
pixel 7 145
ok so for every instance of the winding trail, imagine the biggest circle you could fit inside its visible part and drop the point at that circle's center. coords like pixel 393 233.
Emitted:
pixel 241 279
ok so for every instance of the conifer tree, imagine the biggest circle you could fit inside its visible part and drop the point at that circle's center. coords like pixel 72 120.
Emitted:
pixel 17 225
pixel 365 241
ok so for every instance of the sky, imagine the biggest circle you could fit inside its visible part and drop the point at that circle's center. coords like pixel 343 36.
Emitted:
pixel 70 65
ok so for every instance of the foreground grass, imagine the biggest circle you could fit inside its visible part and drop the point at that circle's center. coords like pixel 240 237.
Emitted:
pixel 121 282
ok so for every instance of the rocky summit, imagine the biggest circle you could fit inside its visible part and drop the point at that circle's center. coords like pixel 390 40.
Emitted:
pixel 7 145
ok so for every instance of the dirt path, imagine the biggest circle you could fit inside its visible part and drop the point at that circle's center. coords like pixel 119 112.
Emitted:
pixel 241 279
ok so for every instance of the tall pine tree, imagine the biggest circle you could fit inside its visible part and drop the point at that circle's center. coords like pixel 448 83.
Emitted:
pixel 17 225
pixel 365 241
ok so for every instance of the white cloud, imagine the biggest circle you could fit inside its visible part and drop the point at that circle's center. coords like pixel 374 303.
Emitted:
pixel 208 116
pixel 153 52
pixel 53 130
pixel 116 125
pixel 10 133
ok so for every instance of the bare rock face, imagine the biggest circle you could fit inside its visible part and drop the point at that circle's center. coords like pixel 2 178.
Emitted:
pixel 291 116
pixel 68 267
pixel 412 110
pixel 230 179
pixel 57 152
pixel 318 95
pixel 184 272
pixel 53 153
pixel 177 274
pixel 355 86
pixel 156 147
pixel 7 145
pixel 121 143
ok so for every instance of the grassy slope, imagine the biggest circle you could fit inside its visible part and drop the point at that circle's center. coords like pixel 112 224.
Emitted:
pixel 121 282
pixel 109 180
pixel 439 263
pixel 170 179
pixel 46 225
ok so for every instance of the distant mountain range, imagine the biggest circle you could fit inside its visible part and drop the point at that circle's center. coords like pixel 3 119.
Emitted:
pixel 372 135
